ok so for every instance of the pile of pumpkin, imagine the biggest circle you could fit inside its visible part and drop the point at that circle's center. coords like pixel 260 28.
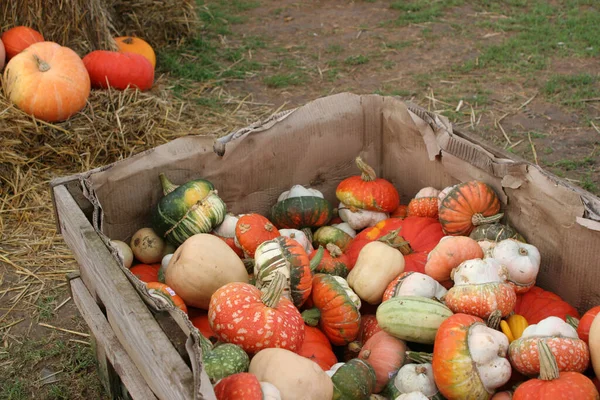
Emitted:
pixel 52 83
pixel 368 300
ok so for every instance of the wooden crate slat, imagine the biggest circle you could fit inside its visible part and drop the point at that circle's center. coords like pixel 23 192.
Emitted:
pixel 138 332
pixel 105 337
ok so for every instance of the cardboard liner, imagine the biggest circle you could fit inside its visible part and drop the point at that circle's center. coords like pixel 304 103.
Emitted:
pixel 315 145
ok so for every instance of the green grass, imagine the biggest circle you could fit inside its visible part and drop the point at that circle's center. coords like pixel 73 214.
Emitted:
pixel 419 11
pixel 285 80
pixel 572 90
pixel 356 60
pixel 538 31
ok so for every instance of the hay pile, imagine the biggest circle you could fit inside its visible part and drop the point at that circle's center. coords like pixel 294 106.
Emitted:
pixel 114 125
pixel 86 25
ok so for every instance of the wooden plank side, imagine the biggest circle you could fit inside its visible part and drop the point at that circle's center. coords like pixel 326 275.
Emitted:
pixel 142 338
pixel 108 342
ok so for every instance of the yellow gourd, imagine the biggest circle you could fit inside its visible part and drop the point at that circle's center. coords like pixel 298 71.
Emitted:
pixel 513 327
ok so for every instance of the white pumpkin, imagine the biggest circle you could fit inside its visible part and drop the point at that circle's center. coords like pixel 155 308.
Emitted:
pixel 521 259
pixel 359 219
pixel 299 191
pixel 418 284
pixel 416 378
pixel 427 192
pixel 300 237
pixel 270 391
pixel 488 348
pixel 226 228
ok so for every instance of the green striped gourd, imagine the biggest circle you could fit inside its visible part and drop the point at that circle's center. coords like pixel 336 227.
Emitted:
pixel 186 210
pixel 300 208
pixel 412 318
pixel 223 359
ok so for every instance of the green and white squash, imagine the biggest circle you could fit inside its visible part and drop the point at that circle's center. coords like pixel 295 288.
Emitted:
pixel 339 234
pixel 353 380
pixel 412 318
pixel 300 208
pixel 495 232
pixel 186 210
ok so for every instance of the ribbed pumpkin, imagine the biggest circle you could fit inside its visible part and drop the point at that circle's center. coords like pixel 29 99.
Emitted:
pixel 334 262
pixel 367 191
pixel 495 232
pixel 317 347
pixel 252 230
pixel 47 81
pixel 130 44
pixel 468 205
pixel 286 256
pixel 538 304
pixel 335 309
pixel 19 38
pixel 301 208
pixel 415 237
pixel 242 314
pixel 186 210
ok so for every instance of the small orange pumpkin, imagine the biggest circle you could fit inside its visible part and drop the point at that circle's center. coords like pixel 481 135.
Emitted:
pixel 130 44
pixel 423 207
pixel 47 81
pixel 468 205
pixel 18 39
pixel 253 229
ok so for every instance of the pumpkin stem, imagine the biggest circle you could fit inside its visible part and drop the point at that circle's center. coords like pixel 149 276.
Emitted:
pixel 333 249
pixel 420 369
pixel 311 316
pixel 271 294
pixel 316 260
pixel 392 239
pixel 367 173
pixel 308 233
pixel 494 319
pixel 166 184
pixel 574 322
pixel 548 366
pixel 419 356
pixel 128 40
pixel 42 65
pixel 479 219
pixel 355 346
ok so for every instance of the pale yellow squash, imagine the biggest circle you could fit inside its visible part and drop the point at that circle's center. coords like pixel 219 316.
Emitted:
pixel 376 266
pixel 200 266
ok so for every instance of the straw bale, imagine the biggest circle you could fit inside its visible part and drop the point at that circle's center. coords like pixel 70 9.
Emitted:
pixel 83 25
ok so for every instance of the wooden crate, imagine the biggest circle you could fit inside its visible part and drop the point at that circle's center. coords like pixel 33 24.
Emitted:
pixel 137 357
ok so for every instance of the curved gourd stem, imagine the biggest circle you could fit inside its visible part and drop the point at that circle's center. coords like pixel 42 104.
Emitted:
pixel 367 173
pixel 308 233
pixel 574 322
pixel 396 241
pixel 419 356
pixel 205 345
pixel 166 184
pixel 480 219
pixel 316 260
pixel 548 366
pixel 42 65
pixel 334 250
pixel 271 294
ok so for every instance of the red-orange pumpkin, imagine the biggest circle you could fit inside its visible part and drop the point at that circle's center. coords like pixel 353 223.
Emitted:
pixel 242 385
pixel 130 44
pixel 146 272
pixel 368 327
pixel 238 313
pixel 47 81
pixel 18 39
pixel 253 229
pixel 585 323
pixel 538 304
pixel 119 70
pixel 334 261
pixel 385 354
pixel 367 191
pixel 468 205
pixel 163 291
pixel 317 347
pixel 201 322
pixel 423 207
pixel 415 238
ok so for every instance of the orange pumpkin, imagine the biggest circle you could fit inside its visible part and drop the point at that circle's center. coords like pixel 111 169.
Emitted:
pixel 423 207
pixel 555 385
pixel 538 304
pixel 583 328
pixel 368 327
pixel 130 44
pixel 317 347
pixel 165 293
pixel 146 272
pixel 47 81
pixel 468 205
pixel 251 230
pixel 18 39
pixel 334 262
pixel 385 354
pixel 449 253
pixel 367 191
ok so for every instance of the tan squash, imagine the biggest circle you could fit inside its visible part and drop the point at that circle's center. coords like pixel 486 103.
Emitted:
pixel 200 266
pixel 377 265
pixel 594 344
pixel 296 377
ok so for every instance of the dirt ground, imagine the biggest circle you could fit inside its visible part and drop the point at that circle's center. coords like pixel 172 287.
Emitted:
pixel 444 56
